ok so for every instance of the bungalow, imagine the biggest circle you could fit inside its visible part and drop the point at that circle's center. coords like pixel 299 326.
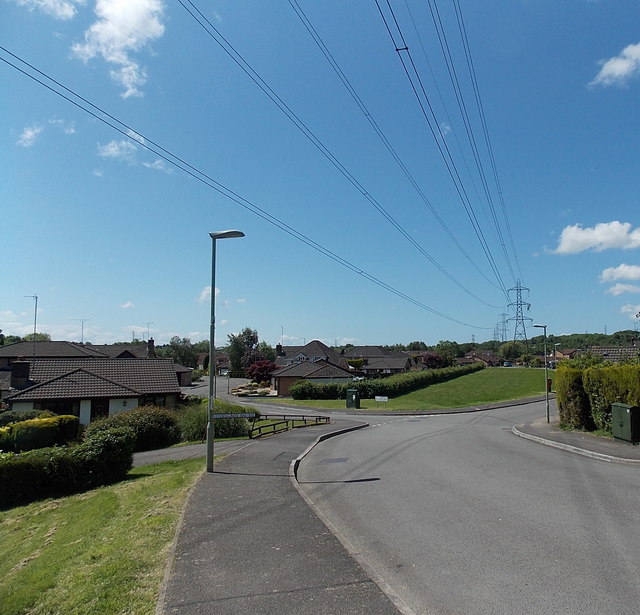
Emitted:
pixel 90 388
pixel 385 366
pixel 319 372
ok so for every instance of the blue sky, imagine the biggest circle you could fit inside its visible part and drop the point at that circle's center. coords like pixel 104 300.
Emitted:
pixel 374 212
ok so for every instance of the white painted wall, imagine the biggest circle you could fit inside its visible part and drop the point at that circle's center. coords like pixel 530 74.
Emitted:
pixel 121 405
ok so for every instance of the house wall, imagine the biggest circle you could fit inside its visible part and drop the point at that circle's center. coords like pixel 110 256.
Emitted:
pixel 121 405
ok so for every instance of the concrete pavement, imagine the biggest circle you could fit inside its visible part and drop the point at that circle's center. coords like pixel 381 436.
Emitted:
pixel 249 543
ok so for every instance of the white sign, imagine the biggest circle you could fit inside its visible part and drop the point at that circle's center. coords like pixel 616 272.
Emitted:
pixel 381 398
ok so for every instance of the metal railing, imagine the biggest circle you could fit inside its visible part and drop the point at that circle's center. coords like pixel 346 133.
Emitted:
pixel 285 423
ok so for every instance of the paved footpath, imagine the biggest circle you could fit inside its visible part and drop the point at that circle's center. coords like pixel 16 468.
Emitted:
pixel 249 544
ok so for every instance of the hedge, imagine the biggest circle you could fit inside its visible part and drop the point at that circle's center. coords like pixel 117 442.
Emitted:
pixel 393 386
pixel 39 433
pixel 154 427
pixel 101 459
pixel 193 420
pixel 15 416
pixel 585 396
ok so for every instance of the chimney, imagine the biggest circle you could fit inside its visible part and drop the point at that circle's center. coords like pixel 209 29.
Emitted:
pixel 279 352
pixel 20 375
pixel 151 348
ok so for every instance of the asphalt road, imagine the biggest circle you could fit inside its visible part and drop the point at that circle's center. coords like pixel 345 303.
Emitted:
pixel 457 515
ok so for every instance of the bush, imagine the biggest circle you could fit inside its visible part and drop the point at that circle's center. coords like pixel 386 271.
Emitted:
pixel 153 427
pixel 574 409
pixel 39 433
pixel 103 458
pixel 192 421
pixel 15 416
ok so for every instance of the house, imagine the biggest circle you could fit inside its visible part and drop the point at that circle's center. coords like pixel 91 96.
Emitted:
pixel 93 387
pixel 567 353
pixel 385 366
pixel 318 372
pixel 488 359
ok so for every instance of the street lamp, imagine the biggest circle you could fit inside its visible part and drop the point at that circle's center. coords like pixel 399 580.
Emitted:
pixel 212 348
pixel 546 379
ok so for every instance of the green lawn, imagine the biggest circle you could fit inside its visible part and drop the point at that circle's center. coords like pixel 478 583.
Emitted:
pixel 484 387
pixel 102 552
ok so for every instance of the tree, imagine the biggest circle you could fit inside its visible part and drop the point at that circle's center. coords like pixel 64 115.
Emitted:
pixel 448 350
pixel 260 371
pixel 37 337
pixel 510 350
pixel 416 346
pixel 242 349
pixel 266 352
pixel 181 350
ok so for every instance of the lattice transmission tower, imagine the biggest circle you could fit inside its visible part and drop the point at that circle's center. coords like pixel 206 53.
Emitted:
pixel 518 305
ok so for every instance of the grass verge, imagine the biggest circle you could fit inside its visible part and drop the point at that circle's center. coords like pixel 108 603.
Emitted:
pixel 102 552
pixel 490 385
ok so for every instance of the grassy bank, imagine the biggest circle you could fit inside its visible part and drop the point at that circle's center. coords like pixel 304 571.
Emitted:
pixel 102 552
pixel 490 385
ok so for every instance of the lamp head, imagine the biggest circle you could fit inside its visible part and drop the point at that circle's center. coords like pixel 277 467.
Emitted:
pixel 226 234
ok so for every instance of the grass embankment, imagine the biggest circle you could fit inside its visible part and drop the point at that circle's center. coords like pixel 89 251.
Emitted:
pixel 102 552
pixel 487 386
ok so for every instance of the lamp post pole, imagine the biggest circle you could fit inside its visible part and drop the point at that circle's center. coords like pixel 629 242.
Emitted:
pixel 546 378
pixel 212 347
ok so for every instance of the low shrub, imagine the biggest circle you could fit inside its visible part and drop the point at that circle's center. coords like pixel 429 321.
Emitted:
pixel 153 427
pixel 193 420
pixel 39 433
pixel 103 458
pixel 15 416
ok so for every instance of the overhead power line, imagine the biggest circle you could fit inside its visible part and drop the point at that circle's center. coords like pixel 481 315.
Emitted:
pixel 403 52
pixel 379 132
pixel 233 53
pixel 124 129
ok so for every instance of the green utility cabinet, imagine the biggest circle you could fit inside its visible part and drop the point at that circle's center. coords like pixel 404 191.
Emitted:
pixel 353 398
pixel 625 422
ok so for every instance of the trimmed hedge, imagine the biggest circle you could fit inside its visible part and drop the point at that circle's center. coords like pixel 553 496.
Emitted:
pixel 153 427
pixel 393 386
pixel 101 459
pixel 15 416
pixel 585 396
pixel 39 433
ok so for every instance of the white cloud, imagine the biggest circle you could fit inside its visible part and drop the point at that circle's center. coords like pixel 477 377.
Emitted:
pixel 98 172
pixel 69 128
pixel 631 310
pixel 127 305
pixel 122 27
pixel 620 289
pixel 60 9
pixel 136 137
pixel 158 165
pixel 619 69
pixel 602 236
pixel 621 272
pixel 241 300
pixel 205 294
pixel 117 149
pixel 29 135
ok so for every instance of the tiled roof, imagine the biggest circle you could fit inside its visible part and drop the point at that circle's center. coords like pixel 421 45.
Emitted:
pixel 48 350
pixel 78 384
pixel 616 353
pixel 310 369
pixel 386 363
pixel 148 376
pixel 114 351
pixel 314 350
pixel 366 352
